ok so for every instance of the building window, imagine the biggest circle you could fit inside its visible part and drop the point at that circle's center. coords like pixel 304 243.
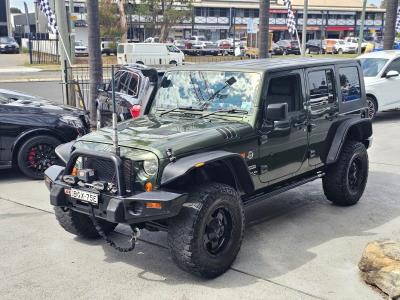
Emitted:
pixel 223 12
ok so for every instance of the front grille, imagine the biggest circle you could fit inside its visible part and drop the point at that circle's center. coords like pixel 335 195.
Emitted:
pixel 106 171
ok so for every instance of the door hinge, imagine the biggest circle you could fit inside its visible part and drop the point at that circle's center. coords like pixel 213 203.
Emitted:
pixel 263 169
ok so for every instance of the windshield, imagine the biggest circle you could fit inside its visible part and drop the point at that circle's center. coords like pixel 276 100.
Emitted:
pixel 208 91
pixel 372 66
pixel 6 40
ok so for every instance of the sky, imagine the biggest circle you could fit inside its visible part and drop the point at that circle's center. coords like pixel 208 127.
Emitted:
pixel 20 4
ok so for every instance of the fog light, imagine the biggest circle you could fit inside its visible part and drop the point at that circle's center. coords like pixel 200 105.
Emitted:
pixel 156 205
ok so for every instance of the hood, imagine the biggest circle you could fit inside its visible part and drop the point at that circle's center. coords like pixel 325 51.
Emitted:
pixel 157 134
pixel 35 104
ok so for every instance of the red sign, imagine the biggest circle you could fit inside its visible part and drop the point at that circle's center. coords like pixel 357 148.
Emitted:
pixel 278 11
pixel 339 28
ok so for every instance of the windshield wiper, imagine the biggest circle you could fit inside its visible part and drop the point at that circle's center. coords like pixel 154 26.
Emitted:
pixel 182 108
pixel 228 83
pixel 229 111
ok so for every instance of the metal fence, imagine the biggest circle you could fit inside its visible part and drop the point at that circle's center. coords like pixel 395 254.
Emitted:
pixel 42 50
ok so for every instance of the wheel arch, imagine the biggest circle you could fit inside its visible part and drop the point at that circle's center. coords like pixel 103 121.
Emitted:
pixel 210 166
pixel 22 138
pixel 350 129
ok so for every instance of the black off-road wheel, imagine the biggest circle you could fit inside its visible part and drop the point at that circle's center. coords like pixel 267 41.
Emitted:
pixel 80 224
pixel 36 155
pixel 206 236
pixel 345 181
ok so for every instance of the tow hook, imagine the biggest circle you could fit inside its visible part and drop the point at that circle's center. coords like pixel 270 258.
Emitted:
pixel 133 239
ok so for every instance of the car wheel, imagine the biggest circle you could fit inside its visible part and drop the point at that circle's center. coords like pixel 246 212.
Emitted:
pixel 284 52
pixel 340 51
pixel 345 181
pixel 140 62
pixel 206 236
pixel 173 62
pixel 372 107
pixel 80 224
pixel 36 155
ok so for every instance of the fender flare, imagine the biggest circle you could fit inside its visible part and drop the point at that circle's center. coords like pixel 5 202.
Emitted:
pixel 234 162
pixel 363 128
pixel 37 131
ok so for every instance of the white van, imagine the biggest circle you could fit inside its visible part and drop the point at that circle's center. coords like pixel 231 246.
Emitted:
pixel 149 54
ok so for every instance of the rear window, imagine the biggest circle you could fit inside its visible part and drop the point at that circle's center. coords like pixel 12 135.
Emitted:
pixel 120 49
pixel 350 84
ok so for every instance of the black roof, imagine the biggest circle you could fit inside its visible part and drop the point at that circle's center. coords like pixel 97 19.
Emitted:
pixel 267 64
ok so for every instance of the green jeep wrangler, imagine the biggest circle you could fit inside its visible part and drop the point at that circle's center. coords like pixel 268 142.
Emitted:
pixel 217 139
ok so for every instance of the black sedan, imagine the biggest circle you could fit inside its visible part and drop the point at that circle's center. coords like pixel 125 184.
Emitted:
pixel 31 128
pixel 316 46
pixel 289 47
pixel 8 45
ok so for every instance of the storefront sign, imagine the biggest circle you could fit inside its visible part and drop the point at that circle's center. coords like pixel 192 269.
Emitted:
pixel 339 28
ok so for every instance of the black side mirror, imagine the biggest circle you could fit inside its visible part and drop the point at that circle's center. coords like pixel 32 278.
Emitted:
pixel 277 112
pixel 165 82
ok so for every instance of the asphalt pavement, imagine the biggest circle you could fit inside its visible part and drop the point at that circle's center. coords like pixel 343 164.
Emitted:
pixel 297 245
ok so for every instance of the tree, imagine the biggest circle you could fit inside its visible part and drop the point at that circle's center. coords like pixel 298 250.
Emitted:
pixel 110 24
pixel 171 12
pixel 122 16
pixel 95 63
pixel 390 24
pixel 15 10
pixel 263 37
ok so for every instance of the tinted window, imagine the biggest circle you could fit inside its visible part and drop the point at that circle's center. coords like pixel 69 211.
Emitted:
pixel 349 84
pixel 394 66
pixel 122 82
pixel 284 90
pixel 172 48
pixel 133 85
pixel 321 87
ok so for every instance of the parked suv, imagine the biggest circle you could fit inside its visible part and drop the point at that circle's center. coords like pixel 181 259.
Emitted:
pixel 134 85
pixel 219 138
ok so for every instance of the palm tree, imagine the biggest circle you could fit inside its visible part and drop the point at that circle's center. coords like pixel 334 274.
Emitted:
pixel 95 63
pixel 263 37
pixel 390 24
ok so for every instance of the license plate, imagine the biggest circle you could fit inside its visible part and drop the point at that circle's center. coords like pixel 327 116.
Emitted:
pixel 84 196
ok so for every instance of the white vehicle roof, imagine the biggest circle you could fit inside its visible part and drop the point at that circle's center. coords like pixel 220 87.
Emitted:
pixel 388 54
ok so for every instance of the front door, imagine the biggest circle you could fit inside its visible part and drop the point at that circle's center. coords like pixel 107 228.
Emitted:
pixel 390 99
pixel 323 109
pixel 283 147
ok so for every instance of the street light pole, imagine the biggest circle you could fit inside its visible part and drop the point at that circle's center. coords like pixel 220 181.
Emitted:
pixel 304 34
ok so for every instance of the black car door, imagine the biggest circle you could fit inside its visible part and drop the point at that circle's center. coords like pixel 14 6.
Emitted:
pixel 283 148
pixel 322 101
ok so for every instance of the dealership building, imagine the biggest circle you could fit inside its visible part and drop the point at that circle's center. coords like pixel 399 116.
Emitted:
pixel 5 23
pixel 217 19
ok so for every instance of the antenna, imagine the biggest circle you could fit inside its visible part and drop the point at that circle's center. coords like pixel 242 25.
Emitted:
pixel 114 114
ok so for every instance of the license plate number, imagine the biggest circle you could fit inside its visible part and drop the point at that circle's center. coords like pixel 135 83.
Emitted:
pixel 84 196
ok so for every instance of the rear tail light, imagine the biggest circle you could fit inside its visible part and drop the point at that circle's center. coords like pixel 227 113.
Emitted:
pixel 135 110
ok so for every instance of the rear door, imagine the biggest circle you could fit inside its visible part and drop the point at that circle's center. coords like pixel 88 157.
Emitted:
pixel 389 87
pixel 322 102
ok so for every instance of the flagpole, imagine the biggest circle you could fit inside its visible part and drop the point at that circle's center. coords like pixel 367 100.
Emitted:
pixel 65 49
pixel 298 40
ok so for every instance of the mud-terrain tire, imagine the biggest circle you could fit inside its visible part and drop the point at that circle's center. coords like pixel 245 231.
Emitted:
pixel 205 238
pixel 345 181
pixel 80 224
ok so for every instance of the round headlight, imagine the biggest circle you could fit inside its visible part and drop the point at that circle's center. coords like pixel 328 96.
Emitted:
pixel 150 167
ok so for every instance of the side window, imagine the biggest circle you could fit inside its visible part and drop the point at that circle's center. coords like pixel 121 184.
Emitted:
pixel 394 65
pixel 172 48
pixel 285 89
pixel 133 85
pixel 350 84
pixel 321 87
pixel 122 85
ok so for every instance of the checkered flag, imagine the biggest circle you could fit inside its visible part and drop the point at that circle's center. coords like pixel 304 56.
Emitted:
pixel 398 20
pixel 51 17
pixel 290 21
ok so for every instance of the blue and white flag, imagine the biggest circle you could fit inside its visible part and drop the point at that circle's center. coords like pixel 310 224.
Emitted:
pixel 290 20
pixel 51 17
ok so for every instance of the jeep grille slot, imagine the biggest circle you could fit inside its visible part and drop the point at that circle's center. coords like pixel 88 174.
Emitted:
pixel 105 171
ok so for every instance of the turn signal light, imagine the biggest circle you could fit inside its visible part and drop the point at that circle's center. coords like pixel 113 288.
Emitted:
pixel 74 171
pixel 156 205
pixel 148 186
pixel 135 111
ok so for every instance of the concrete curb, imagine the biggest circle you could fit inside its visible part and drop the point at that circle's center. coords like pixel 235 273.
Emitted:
pixel 16 80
